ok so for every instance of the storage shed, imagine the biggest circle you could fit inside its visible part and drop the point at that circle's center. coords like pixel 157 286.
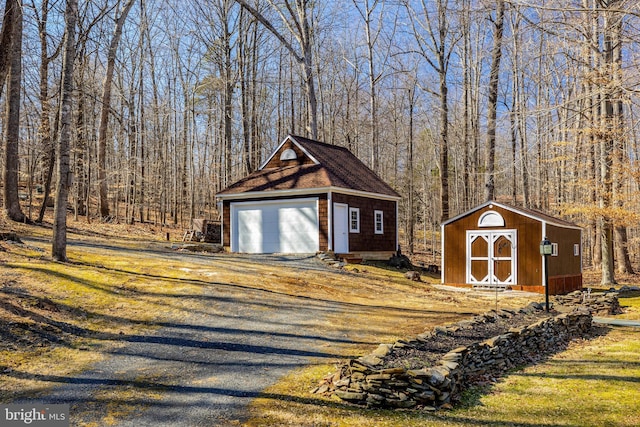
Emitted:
pixel 309 196
pixel 497 246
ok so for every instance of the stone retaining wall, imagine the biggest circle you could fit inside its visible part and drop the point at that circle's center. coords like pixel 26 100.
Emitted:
pixel 598 303
pixel 363 382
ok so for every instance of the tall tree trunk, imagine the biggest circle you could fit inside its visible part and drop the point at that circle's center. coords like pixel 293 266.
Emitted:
pixel 81 172
pixel 106 108
pixel 373 100
pixel 514 149
pixel 59 246
pixel 45 132
pixel 143 133
pixel 444 148
pixel 468 166
pixel 623 260
pixel 229 84
pixel 244 72
pixel 12 128
pixel 11 9
pixel 496 55
pixel 606 154
pixel 156 134
pixel 411 208
pixel 519 106
pixel 48 143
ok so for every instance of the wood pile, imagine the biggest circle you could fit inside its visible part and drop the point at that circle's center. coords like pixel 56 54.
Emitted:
pixel 203 230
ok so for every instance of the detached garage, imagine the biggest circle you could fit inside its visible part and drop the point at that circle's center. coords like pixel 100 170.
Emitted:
pixel 309 196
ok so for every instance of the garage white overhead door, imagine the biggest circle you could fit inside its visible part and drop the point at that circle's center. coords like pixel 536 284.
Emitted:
pixel 283 226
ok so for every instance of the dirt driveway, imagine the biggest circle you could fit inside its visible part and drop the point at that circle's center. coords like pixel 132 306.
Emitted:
pixel 202 369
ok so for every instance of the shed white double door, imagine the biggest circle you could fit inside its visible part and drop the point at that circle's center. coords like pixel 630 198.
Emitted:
pixel 277 226
pixel 492 258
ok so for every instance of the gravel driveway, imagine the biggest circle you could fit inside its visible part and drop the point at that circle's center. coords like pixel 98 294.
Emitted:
pixel 204 370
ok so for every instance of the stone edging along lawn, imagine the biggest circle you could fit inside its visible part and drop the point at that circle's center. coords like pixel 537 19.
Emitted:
pixel 374 381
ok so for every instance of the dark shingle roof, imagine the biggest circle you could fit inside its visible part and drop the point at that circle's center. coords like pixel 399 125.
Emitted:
pixel 335 167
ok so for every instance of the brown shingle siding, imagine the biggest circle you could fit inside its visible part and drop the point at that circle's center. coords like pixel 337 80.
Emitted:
pixel 367 239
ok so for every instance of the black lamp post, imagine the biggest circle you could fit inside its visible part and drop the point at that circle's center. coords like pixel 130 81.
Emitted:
pixel 546 249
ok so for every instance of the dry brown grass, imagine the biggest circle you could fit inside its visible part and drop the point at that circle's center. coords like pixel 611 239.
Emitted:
pixel 99 291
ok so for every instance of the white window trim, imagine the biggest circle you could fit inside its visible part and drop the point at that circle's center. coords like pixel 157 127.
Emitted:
pixel 491 219
pixel 355 229
pixel 576 249
pixel 375 222
pixel 554 250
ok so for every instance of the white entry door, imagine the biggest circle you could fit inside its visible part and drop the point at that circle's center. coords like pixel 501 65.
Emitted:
pixel 340 228
pixel 492 258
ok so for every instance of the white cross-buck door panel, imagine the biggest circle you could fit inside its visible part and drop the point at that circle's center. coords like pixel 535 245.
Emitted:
pixel 492 258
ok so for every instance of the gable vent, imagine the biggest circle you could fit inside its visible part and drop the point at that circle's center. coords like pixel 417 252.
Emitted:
pixel 288 154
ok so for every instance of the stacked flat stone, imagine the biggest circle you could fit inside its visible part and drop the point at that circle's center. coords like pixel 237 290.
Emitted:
pixel 602 304
pixel 364 381
pixel 330 259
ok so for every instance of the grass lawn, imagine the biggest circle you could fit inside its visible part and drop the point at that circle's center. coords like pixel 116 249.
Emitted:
pixel 593 383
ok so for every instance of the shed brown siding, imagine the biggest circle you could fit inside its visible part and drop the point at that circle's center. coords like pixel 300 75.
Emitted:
pixel 275 161
pixel 565 269
pixel 529 272
pixel 366 240
pixel 323 218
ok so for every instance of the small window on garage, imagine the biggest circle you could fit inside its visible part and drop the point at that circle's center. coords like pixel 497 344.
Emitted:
pixel 378 220
pixel 354 220
pixel 554 249
pixel 576 249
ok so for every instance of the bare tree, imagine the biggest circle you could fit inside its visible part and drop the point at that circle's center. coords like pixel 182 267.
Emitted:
pixel 496 55
pixel 59 247
pixel 470 135
pixel 12 130
pixel 374 64
pixel 106 108
pixel 620 158
pixel 608 133
pixel 45 130
pixel 435 38
pixel 11 10
pixel 295 17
